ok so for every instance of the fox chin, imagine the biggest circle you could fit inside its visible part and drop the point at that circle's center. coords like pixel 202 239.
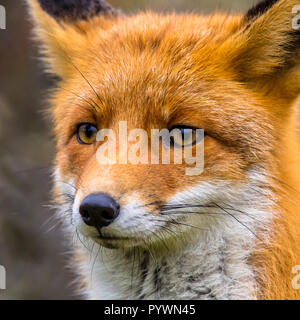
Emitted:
pixel 144 228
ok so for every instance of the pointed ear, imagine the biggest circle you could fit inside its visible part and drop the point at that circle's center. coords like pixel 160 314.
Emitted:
pixel 61 27
pixel 267 53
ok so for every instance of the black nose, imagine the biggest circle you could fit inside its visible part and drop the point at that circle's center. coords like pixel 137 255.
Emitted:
pixel 99 210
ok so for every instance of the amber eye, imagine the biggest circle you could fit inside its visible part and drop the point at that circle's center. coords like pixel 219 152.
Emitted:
pixel 86 133
pixel 184 136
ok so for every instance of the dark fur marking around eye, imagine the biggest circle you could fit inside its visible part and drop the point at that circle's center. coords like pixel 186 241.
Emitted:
pixel 259 9
pixel 72 10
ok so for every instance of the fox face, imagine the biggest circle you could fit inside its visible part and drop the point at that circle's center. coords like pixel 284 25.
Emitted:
pixel 234 77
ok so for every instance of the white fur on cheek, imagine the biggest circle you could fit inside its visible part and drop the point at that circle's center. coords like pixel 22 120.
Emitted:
pixel 134 221
pixel 242 218
pixel 211 262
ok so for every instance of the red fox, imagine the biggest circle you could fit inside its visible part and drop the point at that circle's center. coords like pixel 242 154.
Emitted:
pixel 151 231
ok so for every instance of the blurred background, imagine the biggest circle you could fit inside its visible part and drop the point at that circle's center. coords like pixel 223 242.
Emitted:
pixel 33 253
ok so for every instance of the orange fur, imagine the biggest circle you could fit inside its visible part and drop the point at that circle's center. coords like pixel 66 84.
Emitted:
pixel 221 73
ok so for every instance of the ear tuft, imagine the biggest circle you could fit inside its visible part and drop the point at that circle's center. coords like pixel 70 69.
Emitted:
pixel 62 26
pixel 267 48
pixel 259 9
pixel 72 10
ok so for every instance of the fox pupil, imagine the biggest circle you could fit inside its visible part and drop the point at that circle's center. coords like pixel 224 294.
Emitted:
pixel 89 131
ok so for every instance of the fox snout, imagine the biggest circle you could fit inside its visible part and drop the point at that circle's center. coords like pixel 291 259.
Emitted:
pixel 99 210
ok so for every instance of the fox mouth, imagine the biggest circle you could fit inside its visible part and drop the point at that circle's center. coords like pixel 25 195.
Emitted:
pixel 105 238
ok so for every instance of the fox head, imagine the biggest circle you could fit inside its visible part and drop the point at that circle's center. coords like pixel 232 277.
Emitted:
pixel 235 77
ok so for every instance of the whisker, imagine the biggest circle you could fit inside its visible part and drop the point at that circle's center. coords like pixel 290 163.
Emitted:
pixel 282 182
pixel 68 184
pixel 83 99
pixel 68 58
pixel 96 256
pixel 83 107
pixel 170 232
pixel 186 225
pixel 82 241
pixel 184 205
pixel 169 213
pixel 235 218
pixel 165 211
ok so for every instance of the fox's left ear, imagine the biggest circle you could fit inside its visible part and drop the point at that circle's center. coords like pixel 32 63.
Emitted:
pixel 267 48
pixel 62 25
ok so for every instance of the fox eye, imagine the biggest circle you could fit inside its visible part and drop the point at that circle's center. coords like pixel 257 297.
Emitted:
pixel 184 136
pixel 86 133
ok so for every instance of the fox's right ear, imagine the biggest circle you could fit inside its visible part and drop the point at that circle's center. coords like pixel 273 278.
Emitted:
pixel 265 53
pixel 62 25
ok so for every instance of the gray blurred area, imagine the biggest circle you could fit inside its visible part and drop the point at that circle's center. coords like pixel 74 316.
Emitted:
pixel 32 251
